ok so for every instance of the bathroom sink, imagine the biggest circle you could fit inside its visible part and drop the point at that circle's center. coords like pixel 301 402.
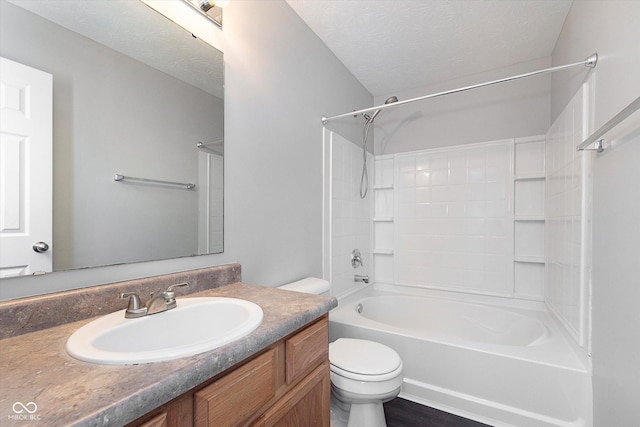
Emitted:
pixel 196 325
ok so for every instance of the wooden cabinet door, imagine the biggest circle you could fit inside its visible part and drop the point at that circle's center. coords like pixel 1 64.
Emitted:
pixel 235 398
pixel 306 350
pixel 177 413
pixel 306 405
pixel 159 420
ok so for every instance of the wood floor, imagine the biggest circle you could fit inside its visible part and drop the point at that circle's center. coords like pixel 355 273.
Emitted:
pixel 403 413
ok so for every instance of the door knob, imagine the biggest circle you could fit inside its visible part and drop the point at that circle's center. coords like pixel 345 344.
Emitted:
pixel 40 247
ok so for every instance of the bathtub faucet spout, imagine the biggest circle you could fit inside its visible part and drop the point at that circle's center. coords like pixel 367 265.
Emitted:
pixel 359 278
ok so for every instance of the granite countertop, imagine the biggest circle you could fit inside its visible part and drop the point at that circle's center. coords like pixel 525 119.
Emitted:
pixel 65 391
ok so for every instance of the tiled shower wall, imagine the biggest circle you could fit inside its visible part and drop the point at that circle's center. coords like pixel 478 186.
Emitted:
pixel 568 217
pixel 451 226
pixel 349 227
pixel 467 218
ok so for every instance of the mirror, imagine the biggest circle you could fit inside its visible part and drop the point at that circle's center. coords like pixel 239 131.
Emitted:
pixel 136 95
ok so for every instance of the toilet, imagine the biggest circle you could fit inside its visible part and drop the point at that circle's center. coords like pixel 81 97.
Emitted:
pixel 364 374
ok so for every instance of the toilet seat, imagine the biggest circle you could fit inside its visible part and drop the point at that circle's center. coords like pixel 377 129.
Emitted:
pixel 364 360
pixel 366 378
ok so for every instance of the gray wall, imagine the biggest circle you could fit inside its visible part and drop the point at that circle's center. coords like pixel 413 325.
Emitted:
pixel 280 79
pixel 113 114
pixel 610 28
pixel 514 109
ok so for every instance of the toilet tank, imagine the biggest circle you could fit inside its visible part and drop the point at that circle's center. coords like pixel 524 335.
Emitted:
pixel 309 285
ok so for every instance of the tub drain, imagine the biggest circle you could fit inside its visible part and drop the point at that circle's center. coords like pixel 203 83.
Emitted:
pixel 359 308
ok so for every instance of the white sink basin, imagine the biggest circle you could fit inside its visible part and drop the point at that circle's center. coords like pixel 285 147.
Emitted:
pixel 196 325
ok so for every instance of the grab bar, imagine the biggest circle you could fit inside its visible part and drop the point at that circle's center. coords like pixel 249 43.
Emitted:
pixel 119 177
pixel 596 136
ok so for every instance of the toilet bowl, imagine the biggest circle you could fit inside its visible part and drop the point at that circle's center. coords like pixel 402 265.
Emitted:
pixel 364 374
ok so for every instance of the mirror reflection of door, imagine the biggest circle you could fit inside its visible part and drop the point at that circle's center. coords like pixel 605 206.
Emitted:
pixel 210 203
pixel 26 101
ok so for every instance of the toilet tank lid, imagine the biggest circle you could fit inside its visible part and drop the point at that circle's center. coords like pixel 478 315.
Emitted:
pixel 309 285
pixel 363 356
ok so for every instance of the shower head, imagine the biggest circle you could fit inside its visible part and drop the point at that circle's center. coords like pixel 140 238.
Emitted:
pixel 389 100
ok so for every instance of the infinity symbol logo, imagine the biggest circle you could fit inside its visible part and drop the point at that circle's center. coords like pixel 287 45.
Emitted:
pixel 30 407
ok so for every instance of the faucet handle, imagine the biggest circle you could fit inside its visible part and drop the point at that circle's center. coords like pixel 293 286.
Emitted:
pixel 170 288
pixel 170 295
pixel 135 307
pixel 356 259
pixel 134 300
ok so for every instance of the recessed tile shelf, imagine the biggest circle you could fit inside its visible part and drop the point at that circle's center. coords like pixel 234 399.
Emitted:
pixel 528 218
pixel 529 197
pixel 383 251
pixel 529 279
pixel 529 259
pixel 529 239
pixel 529 176
pixel 383 219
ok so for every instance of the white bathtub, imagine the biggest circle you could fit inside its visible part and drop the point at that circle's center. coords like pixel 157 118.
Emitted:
pixel 500 365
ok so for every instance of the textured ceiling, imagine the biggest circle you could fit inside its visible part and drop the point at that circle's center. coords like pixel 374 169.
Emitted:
pixel 134 29
pixel 395 45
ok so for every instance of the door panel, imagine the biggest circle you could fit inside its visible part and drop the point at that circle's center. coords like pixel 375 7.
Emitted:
pixel 25 169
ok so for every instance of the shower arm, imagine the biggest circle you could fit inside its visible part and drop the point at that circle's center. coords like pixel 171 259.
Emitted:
pixel 591 61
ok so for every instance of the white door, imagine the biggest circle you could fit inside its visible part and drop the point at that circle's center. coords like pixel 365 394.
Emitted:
pixel 26 123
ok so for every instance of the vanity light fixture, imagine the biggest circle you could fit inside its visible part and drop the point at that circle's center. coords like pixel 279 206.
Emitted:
pixel 206 5
pixel 212 9
pixel 188 15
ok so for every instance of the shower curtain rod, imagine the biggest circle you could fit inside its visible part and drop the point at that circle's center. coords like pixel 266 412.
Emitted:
pixel 591 61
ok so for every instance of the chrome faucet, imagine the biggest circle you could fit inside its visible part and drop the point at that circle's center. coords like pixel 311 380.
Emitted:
pixel 163 301
pixel 359 278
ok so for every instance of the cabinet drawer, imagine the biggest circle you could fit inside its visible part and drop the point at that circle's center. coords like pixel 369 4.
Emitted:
pixel 307 349
pixel 234 398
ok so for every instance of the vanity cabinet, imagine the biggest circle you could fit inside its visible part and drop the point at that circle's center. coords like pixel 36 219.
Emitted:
pixel 179 412
pixel 287 384
pixel 307 404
